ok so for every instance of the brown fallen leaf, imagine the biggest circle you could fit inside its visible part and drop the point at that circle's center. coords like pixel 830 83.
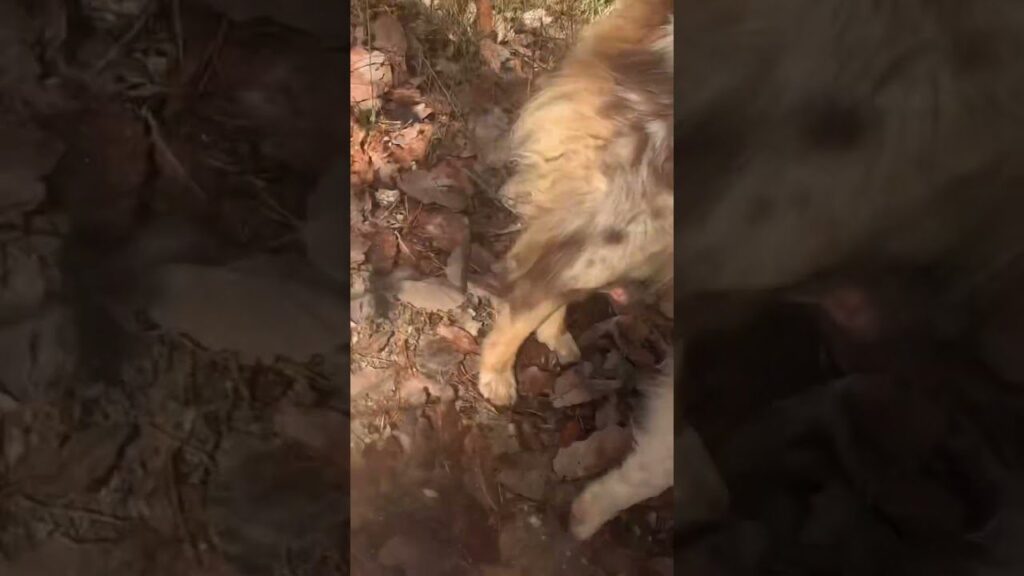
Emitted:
pixel 535 382
pixel 599 452
pixel 370 77
pixel 570 433
pixel 382 251
pixel 494 54
pixel 462 340
pixel 411 144
pixel 445 229
pixel 427 188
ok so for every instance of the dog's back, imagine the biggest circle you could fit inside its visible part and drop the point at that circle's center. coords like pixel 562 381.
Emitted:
pixel 594 157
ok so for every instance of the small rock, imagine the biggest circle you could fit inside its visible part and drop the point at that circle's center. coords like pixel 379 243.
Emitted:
pixel 536 18
pixel 600 451
pixel 430 294
pixel 466 320
pixel 256 314
pixel 455 269
pixel 362 308
pixel 427 188
pixel 36 352
pixel 22 283
pixel 386 197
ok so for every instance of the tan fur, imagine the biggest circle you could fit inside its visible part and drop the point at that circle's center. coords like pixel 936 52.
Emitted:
pixel 594 187
pixel 586 168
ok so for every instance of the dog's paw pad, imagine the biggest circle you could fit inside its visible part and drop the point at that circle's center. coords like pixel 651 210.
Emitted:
pixel 499 388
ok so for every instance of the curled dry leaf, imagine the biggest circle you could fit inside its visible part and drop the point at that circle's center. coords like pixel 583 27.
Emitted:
pixel 370 77
pixel 360 164
pixel 427 188
pixel 410 145
pixel 462 341
pixel 602 450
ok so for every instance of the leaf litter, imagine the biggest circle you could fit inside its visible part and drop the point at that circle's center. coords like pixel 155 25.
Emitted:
pixel 431 150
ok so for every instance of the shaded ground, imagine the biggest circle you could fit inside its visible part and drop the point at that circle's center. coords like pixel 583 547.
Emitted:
pixel 171 363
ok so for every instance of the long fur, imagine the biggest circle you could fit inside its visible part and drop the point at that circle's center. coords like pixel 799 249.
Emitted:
pixel 594 184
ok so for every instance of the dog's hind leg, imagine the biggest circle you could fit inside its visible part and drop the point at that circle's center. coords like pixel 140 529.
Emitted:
pixel 645 473
pixel 553 334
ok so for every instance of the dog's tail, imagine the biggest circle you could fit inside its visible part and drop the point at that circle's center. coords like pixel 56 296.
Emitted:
pixel 629 23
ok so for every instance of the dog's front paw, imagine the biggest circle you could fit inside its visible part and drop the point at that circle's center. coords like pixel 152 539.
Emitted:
pixel 499 388
pixel 588 515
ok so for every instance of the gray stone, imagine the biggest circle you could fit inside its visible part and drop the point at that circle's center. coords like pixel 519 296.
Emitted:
pixel 22 283
pixel 254 313
pixel 36 352
pixel 432 294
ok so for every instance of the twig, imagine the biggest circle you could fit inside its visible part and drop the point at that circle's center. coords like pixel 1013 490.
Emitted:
pixel 179 30
pixel 115 50
pixel 168 156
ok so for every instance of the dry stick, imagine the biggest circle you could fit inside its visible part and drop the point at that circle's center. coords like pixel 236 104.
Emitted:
pixel 179 30
pixel 140 22
pixel 169 158
pixel 447 95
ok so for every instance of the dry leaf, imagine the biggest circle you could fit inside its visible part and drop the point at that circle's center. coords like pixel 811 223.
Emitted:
pixel 383 251
pixel 370 77
pixel 535 382
pixel 410 145
pixel 424 187
pixel 463 341
pixel 602 450
pixel 445 229
pixel 570 433
pixel 494 55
